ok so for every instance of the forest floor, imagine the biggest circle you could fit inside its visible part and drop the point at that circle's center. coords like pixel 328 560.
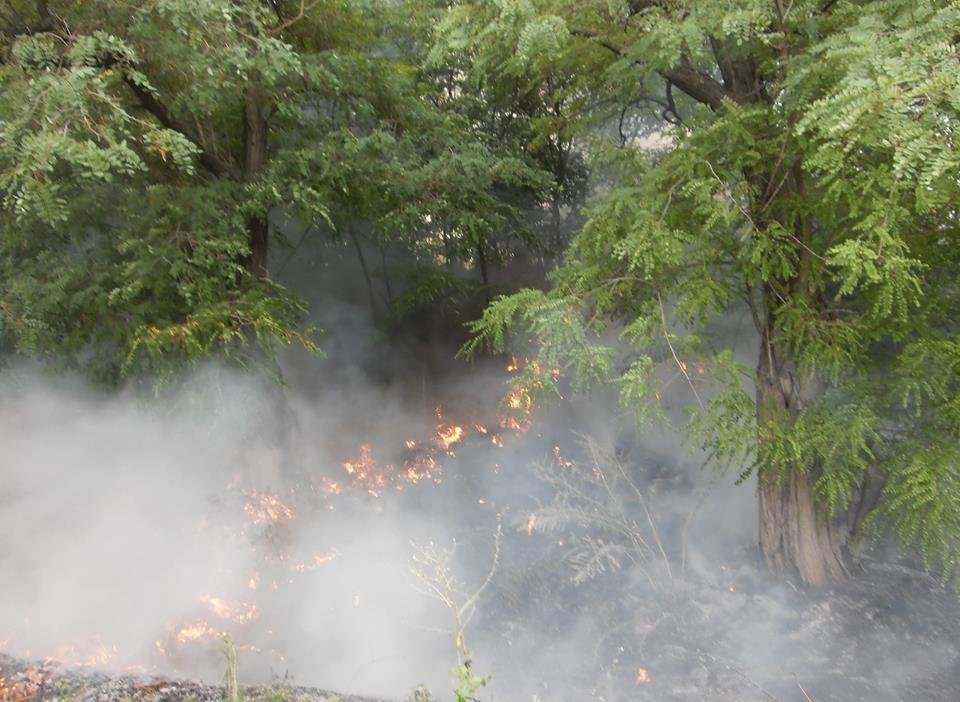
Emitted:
pixel 25 681
pixel 889 634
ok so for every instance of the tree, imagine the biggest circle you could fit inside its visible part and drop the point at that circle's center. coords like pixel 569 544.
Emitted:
pixel 135 142
pixel 144 148
pixel 806 172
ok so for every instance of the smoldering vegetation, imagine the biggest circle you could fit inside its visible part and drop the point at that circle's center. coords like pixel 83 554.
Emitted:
pixel 584 560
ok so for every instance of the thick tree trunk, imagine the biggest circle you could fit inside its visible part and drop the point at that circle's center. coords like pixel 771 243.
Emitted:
pixel 797 537
pixel 254 158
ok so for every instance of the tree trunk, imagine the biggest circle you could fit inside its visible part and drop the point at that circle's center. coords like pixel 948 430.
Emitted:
pixel 254 158
pixel 482 260
pixel 363 267
pixel 797 536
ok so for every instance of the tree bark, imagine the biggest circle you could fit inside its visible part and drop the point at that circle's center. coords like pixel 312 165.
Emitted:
pixel 797 536
pixel 363 267
pixel 254 157
pixel 482 260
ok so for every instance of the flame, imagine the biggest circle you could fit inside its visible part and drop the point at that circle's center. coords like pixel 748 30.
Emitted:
pixel 449 435
pixel 263 508
pixel 26 689
pixel 515 425
pixel 419 460
pixel 318 560
pixel 518 399
pixel 558 457
pixel 91 653
pixel 365 473
pixel 197 631
pixel 239 612
pixel 420 467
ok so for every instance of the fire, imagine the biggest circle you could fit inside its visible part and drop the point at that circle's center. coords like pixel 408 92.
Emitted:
pixel 91 653
pixel 419 460
pixel 239 612
pixel 263 508
pixel 194 632
pixel 449 435
pixel 515 425
pixel 518 399
pixel 420 467
pixel 27 689
pixel 560 460
pixel 330 487
pixel 365 473
pixel 319 559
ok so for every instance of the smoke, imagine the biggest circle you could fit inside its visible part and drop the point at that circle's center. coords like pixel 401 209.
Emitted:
pixel 123 520
pixel 128 521
pixel 137 531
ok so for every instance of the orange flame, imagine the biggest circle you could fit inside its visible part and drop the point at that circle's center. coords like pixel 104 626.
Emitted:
pixel 449 435
pixel 263 508
pixel 239 612
pixel 194 632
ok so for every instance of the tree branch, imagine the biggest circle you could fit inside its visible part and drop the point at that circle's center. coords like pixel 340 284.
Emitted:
pixel 273 31
pixel 698 85
pixel 17 24
pixel 148 101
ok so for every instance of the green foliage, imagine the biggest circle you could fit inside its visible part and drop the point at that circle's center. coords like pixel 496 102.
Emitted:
pixel 131 189
pixel 811 187
pixel 434 288
pixel 467 683
pixel 801 175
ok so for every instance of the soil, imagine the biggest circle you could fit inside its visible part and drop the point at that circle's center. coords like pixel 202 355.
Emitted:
pixel 24 681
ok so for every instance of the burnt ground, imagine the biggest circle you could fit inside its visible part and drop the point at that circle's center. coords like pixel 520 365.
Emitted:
pixel 23 681
pixel 889 634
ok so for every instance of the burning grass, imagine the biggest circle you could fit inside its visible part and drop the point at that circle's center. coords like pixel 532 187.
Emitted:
pixel 591 598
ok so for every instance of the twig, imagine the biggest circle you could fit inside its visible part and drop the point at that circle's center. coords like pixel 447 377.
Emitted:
pixel 729 666
pixel 680 365
pixel 693 513
pixel 293 20
pixel 646 511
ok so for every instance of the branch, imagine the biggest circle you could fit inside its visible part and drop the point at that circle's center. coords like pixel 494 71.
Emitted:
pixel 293 20
pixel 680 364
pixel 164 116
pixel 698 85
pixel 17 25
pixel 146 98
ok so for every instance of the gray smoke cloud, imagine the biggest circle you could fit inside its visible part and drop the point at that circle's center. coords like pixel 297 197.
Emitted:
pixel 130 520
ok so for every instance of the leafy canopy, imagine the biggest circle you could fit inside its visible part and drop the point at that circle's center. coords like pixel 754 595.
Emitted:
pixel 817 199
